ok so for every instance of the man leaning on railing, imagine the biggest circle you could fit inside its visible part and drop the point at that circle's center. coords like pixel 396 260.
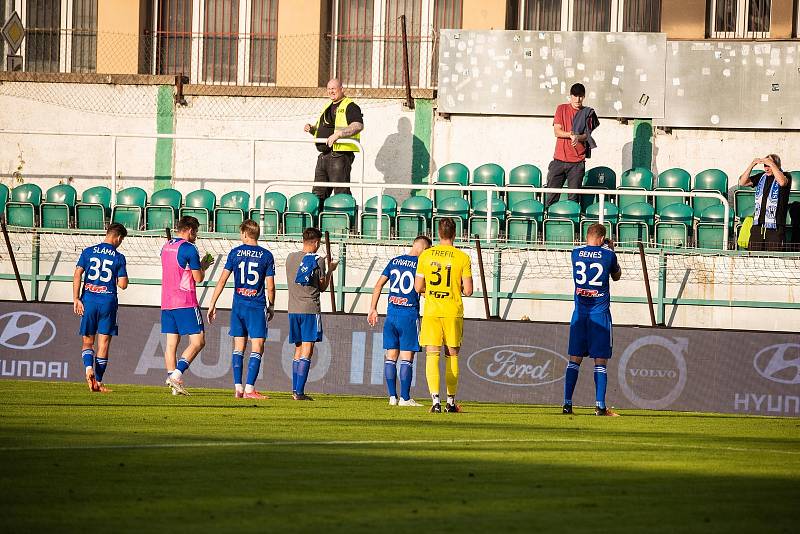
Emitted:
pixel 341 118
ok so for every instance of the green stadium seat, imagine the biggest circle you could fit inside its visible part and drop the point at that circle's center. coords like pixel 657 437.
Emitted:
pixel 58 207
pixel 635 223
pixel 456 208
pixel 338 214
pixel 129 209
pixel 561 221
pixel 596 178
pixel 94 208
pixel 487 174
pixel 478 224
pixel 744 199
pixel 415 214
pixel 711 180
pixel 565 209
pixel 674 222
pixel 526 175
pixel 23 207
pixel 525 219
pixel 3 199
pixel 710 228
pixel 199 204
pixel 232 209
pixel 638 177
pixel 592 215
pixel 274 208
pixel 794 187
pixel 452 173
pixel 162 210
pixel 369 217
pixel 301 213
pixel 674 179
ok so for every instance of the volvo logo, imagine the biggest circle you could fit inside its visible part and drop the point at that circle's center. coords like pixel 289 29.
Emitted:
pixel 666 378
pixel 517 365
pixel 26 330
pixel 779 363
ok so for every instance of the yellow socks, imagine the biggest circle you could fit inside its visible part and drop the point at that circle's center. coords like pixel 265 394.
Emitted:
pixel 432 372
pixel 451 375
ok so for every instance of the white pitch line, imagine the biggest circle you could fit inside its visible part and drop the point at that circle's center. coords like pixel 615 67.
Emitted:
pixel 390 442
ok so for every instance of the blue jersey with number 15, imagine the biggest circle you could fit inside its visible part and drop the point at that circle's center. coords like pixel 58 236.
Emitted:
pixel 403 298
pixel 250 265
pixel 102 266
pixel 591 269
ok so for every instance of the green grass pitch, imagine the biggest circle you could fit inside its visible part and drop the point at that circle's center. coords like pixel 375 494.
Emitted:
pixel 141 460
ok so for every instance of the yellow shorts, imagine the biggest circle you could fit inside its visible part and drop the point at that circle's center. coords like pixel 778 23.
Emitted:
pixel 438 331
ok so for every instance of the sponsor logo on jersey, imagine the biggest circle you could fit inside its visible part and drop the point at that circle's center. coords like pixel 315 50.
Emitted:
pixel 245 292
pixel 398 301
pixel 94 288
pixel 24 330
pixel 517 365
pixel 439 294
pixel 587 292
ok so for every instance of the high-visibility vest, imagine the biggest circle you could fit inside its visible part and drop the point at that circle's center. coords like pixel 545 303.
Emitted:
pixel 340 123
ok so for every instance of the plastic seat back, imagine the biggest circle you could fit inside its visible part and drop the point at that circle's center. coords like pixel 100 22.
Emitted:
pixel 638 177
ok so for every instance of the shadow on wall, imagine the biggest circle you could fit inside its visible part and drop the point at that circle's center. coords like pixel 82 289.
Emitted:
pixel 403 159
pixel 641 152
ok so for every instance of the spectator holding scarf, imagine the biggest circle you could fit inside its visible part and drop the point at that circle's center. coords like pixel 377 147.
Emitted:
pixel 771 203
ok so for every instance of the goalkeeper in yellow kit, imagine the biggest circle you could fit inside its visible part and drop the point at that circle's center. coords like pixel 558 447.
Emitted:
pixel 443 275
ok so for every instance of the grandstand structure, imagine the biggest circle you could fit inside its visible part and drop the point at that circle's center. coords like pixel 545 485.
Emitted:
pixel 138 111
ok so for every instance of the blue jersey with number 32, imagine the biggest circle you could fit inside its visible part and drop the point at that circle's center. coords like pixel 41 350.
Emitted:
pixel 102 266
pixel 250 265
pixel 403 298
pixel 591 269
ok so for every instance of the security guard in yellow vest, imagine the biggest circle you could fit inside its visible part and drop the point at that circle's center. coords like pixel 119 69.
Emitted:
pixel 341 118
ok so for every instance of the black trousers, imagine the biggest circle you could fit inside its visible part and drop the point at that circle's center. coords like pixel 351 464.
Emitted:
pixel 766 240
pixel 332 167
pixel 560 171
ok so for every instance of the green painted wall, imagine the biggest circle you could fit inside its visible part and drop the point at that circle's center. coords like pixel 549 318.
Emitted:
pixel 421 142
pixel 642 144
pixel 165 124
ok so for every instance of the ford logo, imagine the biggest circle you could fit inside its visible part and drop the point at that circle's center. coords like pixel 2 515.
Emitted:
pixel 517 365
pixel 26 330
pixel 779 363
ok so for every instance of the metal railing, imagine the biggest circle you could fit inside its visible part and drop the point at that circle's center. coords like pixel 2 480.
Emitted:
pixel 252 140
pixel 601 193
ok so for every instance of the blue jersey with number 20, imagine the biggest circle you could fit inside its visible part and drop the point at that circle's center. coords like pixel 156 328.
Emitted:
pixel 591 269
pixel 250 265
pixel 102 266
pixel 403 298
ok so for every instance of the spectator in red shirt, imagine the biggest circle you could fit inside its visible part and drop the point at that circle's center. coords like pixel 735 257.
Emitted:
pixel 569 161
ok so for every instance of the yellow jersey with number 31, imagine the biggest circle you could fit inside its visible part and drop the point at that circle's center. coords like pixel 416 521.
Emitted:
pixel 443 267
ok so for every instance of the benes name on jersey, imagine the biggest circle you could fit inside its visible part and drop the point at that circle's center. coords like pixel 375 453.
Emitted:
pixel 594 254
pixel 249 253
pixel 110 251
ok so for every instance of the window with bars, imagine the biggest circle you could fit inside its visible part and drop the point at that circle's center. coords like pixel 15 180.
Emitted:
pixel 60 35
pixel 217 41
pixel 740 18
pixel 84 36
pixel 42 35
pixel 590 15
pixel 368 43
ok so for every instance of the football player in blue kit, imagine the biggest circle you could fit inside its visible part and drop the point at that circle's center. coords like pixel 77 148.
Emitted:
pixel 401 328
pixel 253 269
pixel 590 330
pixel 102 270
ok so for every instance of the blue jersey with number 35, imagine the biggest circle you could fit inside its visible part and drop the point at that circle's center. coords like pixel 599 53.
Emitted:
pixel 102 266
pixel 591 269
pixel 403 298
pixel 250 265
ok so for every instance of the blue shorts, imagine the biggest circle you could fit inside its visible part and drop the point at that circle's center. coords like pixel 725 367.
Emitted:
pixel 248 321
pixel 590 335
pixel 99 317
pixel 401 332
pixel 183 321
pixel 305 327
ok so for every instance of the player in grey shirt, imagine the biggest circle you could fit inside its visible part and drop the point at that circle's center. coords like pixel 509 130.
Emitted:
pixel 306 278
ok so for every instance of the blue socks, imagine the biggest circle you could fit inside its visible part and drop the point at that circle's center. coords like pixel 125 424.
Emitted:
pixel 390 374
pixel 303 366
pixel 570 379
pixel 406 376
pixel 100 368
pixel 253 365
pixel 600 382
pixel 237 362
pixel 183 365
pixel 88 357
pixel 295 367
